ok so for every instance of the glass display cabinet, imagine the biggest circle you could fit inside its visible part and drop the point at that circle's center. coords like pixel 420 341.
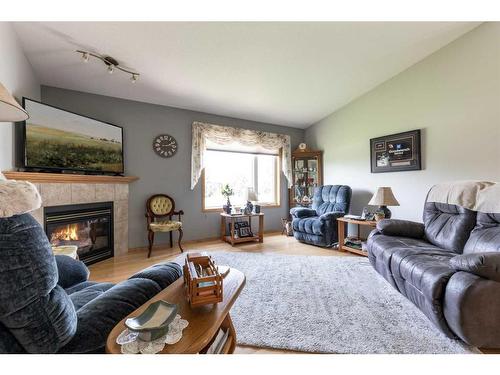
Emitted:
pixel 306 175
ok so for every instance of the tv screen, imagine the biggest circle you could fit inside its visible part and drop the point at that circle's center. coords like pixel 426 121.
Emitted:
pixel 55 139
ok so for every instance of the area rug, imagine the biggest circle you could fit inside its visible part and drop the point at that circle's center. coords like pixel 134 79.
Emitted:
pixel 328 305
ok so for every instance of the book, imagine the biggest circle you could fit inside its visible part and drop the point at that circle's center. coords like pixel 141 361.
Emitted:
pixel 219 341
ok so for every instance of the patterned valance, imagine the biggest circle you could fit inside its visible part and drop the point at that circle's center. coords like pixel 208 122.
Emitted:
pixel 203 132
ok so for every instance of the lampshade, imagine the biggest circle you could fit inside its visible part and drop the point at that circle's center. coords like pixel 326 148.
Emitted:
pixel 383 197
pixel 251 196
pixel 10 110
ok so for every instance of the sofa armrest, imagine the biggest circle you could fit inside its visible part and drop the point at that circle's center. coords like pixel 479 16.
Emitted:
pixel 302 212
pixel 331 215
pixel 71 271
pixel 403 228
pixel 163 274
pixel 486 265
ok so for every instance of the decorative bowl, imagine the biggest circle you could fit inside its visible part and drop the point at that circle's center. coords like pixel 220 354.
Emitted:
pixel 154 321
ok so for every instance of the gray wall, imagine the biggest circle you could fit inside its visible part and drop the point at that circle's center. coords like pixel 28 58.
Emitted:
pixel 16 74
pixel 141 123
pixel 453 95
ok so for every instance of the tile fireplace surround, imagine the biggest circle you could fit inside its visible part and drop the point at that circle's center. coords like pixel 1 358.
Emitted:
pixel 65 192
pixel 59 194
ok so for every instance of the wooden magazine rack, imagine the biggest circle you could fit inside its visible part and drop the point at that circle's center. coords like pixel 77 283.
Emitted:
pixel 202 280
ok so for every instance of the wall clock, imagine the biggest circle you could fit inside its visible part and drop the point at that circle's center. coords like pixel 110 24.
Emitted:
pixel 165 145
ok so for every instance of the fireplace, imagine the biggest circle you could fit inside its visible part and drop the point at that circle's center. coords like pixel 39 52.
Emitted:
pixel 87 226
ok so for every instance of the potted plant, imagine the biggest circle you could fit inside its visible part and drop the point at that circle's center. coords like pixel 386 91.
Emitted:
pixel 227 192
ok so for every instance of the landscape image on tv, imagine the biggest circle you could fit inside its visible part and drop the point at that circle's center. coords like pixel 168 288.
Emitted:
pixel 57 139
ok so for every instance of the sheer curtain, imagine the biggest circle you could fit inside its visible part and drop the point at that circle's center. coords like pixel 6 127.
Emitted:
pixel 204 133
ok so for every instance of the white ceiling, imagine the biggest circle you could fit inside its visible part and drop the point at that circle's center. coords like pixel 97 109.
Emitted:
pixel 291 74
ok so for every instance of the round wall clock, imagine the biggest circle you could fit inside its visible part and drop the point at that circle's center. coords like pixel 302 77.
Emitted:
pixel 165 145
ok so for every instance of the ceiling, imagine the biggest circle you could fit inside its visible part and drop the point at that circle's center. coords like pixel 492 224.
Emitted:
pixel 292 73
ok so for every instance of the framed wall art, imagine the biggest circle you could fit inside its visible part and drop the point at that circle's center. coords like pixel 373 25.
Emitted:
pixel 396 152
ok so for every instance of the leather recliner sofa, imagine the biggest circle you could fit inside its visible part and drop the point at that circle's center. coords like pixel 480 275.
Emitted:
pixel 449 266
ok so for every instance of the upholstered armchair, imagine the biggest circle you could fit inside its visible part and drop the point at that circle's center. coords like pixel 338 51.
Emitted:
pixel 160 209
pixel 318 225
pixel 47 303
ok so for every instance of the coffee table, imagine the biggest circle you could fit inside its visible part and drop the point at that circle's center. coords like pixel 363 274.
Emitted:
pixel 204 321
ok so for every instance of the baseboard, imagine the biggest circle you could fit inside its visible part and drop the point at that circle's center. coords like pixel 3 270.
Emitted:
pixel 209 239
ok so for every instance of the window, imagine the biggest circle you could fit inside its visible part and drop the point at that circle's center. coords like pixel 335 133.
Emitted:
pixel 242 171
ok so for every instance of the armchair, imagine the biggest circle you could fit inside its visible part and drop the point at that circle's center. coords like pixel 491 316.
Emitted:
pixel 47 304
pixel 318 225
pixel 160 209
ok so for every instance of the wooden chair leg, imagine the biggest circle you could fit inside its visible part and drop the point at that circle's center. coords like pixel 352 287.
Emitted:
pixel 180 239
pixel 171 240
pixel 151 239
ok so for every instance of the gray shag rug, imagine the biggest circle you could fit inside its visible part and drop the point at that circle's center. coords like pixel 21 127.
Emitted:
pixel 327 304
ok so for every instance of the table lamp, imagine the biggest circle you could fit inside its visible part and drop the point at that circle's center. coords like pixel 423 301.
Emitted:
pixel 251 197
pixel 383 198
pixel 10 110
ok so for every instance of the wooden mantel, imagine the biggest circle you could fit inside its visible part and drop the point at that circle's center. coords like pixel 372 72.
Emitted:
pixel 68 178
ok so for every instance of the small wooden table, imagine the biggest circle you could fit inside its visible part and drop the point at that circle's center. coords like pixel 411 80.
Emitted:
pixel 231 239
pixel 341 231
pixel 204 321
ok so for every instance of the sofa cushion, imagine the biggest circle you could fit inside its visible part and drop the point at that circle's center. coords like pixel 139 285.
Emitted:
pixel 97 317
pixel 448 226
pixel 311 225
pixel 381 249
pixel 485 236
pixel 422 277
pixel 85 295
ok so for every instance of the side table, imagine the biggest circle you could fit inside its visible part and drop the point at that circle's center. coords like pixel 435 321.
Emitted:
pixel 341 222
pixel 232 218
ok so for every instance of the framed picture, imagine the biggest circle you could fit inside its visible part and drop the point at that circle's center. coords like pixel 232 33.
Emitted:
pixel 243 229
pixel 396 152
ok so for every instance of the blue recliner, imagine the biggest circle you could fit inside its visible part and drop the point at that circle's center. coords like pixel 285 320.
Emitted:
pixel 47 304
pixel 318 225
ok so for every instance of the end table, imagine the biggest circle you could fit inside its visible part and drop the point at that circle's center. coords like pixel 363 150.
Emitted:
pixel 341 222
pixel 232 218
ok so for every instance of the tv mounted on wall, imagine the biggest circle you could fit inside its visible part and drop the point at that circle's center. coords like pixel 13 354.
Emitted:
pixel 57 140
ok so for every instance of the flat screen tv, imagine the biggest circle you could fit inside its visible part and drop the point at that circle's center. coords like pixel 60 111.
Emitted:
pixel 57 140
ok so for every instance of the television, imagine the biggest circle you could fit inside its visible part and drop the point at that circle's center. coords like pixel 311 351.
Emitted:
pixel 57 140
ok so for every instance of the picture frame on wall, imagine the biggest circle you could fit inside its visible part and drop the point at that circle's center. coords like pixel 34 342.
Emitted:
pixel 396 152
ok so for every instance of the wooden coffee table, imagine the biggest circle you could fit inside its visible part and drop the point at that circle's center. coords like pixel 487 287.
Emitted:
pixel 204 321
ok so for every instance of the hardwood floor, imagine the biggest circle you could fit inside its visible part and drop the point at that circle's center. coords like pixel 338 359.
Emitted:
pixel 120 268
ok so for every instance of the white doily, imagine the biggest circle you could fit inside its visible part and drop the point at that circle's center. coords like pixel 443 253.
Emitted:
pixel 131 344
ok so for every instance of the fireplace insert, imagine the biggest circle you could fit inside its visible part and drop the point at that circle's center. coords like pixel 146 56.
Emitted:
pixel 87 226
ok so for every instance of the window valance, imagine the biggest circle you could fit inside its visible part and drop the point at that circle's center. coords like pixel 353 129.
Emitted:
pixel 204 133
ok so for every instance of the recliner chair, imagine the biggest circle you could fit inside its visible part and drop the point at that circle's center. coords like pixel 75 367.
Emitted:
pixel 47 305
pixel 318 225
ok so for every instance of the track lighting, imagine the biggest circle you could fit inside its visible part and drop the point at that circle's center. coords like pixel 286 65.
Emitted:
pixel 111 63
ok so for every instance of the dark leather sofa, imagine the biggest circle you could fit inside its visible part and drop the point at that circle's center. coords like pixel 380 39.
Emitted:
pixel 318 225
pixel 449 267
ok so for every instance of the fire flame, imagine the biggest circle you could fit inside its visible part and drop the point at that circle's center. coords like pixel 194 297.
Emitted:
pixel 69 233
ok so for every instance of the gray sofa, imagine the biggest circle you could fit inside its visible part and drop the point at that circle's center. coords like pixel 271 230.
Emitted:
pixel 318 225
pixel 47 305
pixel 449 267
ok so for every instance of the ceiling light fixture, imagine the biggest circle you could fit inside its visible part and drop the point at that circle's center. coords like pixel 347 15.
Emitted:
pixel 110 62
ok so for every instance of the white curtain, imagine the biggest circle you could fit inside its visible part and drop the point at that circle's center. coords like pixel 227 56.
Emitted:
pixel 225 135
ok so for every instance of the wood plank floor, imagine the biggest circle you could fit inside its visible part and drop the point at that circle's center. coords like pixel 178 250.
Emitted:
pixel 120 268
